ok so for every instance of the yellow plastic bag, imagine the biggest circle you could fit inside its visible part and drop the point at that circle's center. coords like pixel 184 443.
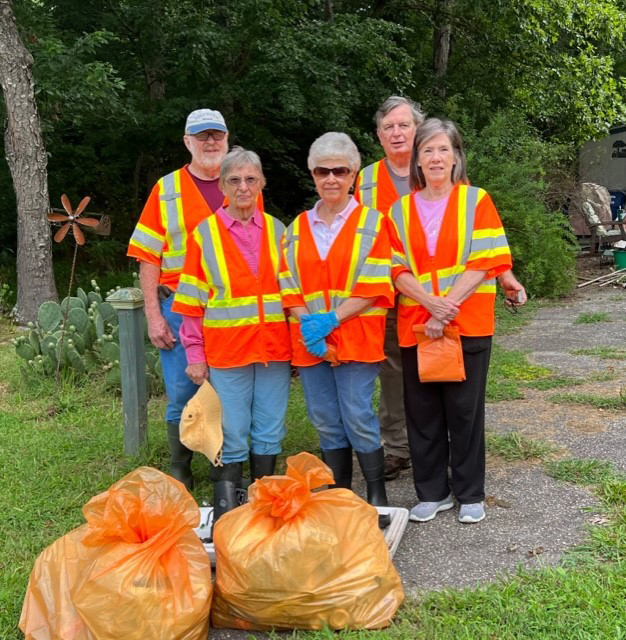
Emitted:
pixel 293 558
pixel 135 571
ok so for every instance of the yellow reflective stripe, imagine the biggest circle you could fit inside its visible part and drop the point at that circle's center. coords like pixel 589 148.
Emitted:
pixel 188 300
pixel 150 232
pixel 238 322
pixel 275 317
pixel 486 288
pixel 489 253
pixel 461 222
pixel 290 292
pixel 406 213
pixel 450 271
pixel 219 255
pixel 494 232
pixel 271 239
pixel 407 302
pixel 233 302
pixel 375 311
pixel 192 280
pixel 356 249
pixel 143 247
pixel 380 261
pixel 375 187
pixel 308 297
pixel 373 280
pixel 179 214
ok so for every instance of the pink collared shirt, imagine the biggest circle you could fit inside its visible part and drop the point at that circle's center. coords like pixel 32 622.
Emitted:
pixel 247 239
pixel 323 234
pixel 430 213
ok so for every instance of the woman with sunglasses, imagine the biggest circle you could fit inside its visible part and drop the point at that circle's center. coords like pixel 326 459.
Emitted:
pixel 234 328
pixel 335 282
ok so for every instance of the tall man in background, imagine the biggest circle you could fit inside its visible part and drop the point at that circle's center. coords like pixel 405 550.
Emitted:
pixel 177 203
pixel 378 186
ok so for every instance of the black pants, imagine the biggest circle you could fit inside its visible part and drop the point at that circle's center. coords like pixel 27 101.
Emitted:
pixel 446 423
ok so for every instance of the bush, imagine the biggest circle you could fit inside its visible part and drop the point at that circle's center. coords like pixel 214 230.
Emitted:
pixel 509 160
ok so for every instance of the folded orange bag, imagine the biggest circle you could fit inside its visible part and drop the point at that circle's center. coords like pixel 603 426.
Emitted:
pixel 439 359
pixel 135 571
pixel 294 558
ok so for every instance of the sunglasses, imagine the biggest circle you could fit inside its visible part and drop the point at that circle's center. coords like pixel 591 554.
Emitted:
pixel 236 181
pixel 203 136
pixel 339 172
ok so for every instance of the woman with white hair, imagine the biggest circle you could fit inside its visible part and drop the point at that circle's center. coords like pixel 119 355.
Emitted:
pixel 234 328
pixel 336 284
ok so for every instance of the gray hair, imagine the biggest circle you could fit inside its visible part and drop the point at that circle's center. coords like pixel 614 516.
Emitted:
pixel 239 157
pixel 431 128
pixel 396 101
pixel 334 145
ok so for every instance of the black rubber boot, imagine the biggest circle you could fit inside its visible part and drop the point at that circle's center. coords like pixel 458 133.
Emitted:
pixel 373 467
pixel 340 463
pixel 261 465
pixel 180 457
pixel 226 479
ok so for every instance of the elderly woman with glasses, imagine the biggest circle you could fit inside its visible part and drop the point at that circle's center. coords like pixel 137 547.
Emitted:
pixel 234 328
pixel 449 246
pixel 335 282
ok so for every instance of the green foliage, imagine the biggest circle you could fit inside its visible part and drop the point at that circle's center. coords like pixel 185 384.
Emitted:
pixel 509 160
pixel 593 317
pixel 599 402
pixel 507 369
pixel 604 353
pixel 87 340
pixel 579 471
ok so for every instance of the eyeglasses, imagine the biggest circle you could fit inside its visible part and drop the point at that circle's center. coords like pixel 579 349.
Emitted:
pixel 235 181
pixel 203 136
pixel 339 172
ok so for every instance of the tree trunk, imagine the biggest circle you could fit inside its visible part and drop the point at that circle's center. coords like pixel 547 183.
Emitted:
pixel 27 160
pixel 441 45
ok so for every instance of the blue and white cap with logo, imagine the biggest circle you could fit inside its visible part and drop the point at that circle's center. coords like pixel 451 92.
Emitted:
pixel 203 119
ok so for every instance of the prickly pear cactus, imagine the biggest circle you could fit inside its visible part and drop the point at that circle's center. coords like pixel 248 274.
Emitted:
pixel 90 340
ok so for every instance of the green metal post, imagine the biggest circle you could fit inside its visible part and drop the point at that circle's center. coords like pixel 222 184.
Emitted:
pixel 129 306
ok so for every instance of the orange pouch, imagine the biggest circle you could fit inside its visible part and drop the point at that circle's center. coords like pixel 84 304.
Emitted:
pixel 439 359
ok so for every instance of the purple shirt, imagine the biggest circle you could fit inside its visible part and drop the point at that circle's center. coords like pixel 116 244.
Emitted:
pixel 323 234
pixel 210 191
pixel 430 213
pixel 247 239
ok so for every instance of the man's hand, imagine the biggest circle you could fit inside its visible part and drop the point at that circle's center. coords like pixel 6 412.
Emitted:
pixel 442 309
pixel 434 328
pixel 197 372
pixel 514 292
pixel 160 333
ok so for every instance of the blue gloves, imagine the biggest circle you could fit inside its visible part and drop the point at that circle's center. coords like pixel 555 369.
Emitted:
pixel 316 327
pixel 317 349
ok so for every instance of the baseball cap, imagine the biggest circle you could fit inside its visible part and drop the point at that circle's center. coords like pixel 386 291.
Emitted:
pixel 203 119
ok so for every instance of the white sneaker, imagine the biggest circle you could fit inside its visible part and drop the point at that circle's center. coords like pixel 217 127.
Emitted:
pixel 425 511
pixel 471 513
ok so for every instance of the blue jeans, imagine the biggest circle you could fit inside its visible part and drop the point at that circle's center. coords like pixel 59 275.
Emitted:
pixel 254 402
pixel 339 404
pixel 178 386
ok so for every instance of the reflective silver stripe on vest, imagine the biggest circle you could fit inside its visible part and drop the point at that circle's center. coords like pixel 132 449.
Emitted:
pixel 470 216
pixel 210 259
pixel 146 240
pixel 172 262
pixel 367 185
pixel 367 237
pixel 170 197
pixel 374 270
pixel 398 217
pixel 290 253
pixel 482 244
pixel 191 291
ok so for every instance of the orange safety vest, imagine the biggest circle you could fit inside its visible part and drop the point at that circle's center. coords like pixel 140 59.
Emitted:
pixel 375 188
pixel 357 265
pixel 244 321
pixel 173 210
pixel 471 238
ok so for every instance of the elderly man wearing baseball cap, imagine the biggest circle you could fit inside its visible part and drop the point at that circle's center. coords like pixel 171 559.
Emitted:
pixel 177 203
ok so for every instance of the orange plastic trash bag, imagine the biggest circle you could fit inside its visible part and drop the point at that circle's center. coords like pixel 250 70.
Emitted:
pixel 135 571
pixel 296 559
pixel 439 359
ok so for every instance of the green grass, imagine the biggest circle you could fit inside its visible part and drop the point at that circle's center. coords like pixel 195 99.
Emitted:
pixel 577 471
pixel 554 382
pixel 593 317
pixel 513 446
pixel 507 371
pixel 599 402
pixel 604 353
pixel 508 323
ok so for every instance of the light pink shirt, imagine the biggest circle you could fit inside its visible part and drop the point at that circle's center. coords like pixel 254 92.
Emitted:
pixel 323 234
pixel 247 239
pixel 430 213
